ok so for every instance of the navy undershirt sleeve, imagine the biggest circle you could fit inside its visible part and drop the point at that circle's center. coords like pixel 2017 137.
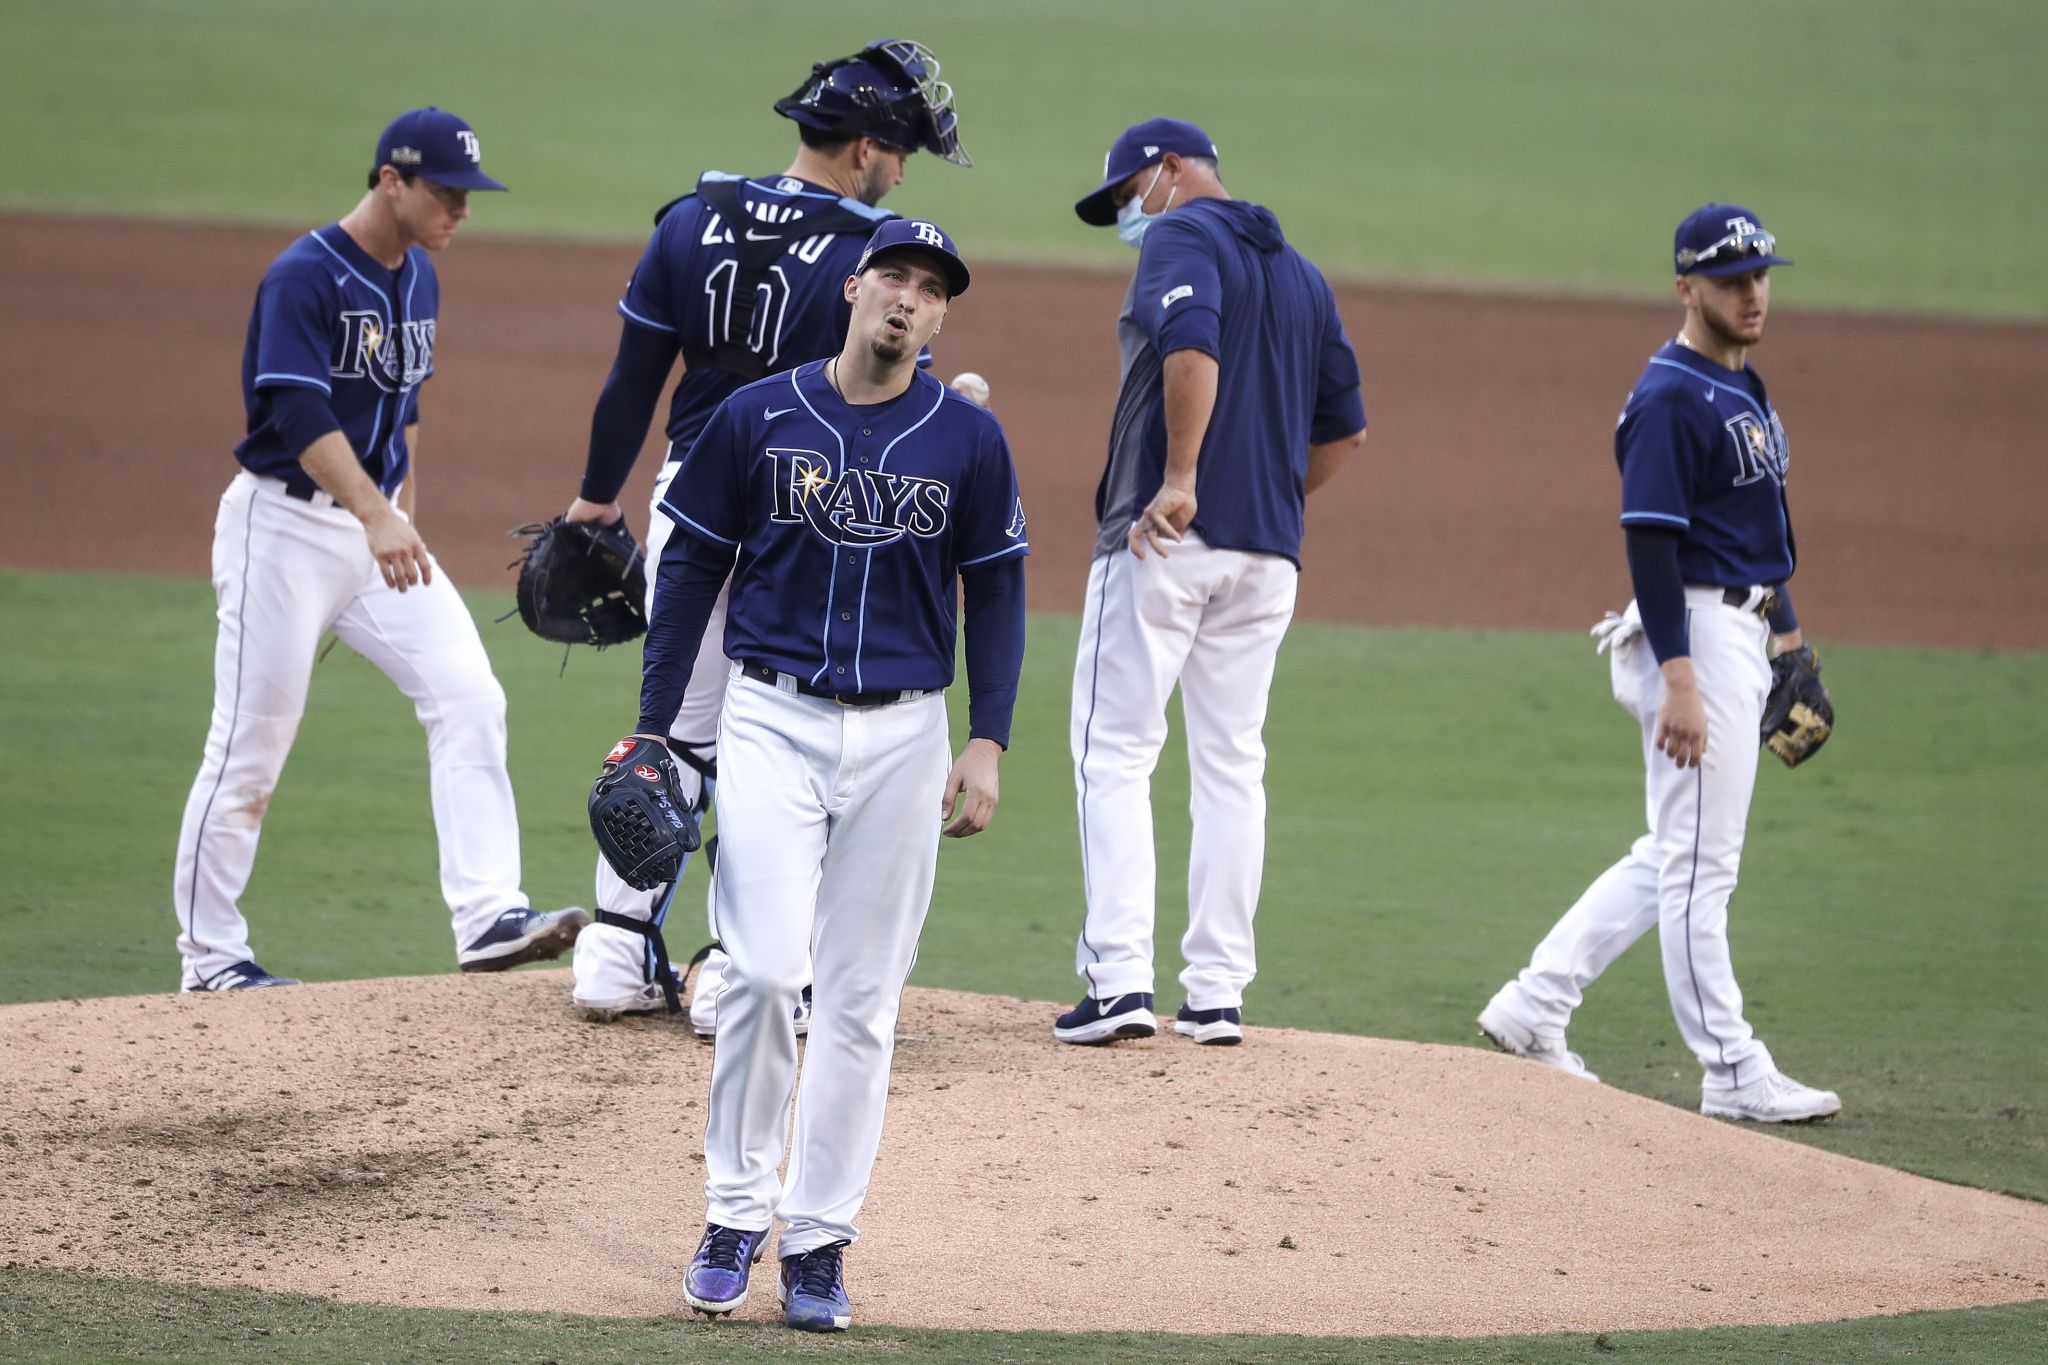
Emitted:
pixel 301 415
pixel 693 568
pixel 1783 619
pixel 993 595
pixel 625 407
pixel 1660 592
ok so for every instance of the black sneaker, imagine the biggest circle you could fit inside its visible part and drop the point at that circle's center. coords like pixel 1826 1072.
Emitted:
pixel 243 976
pixel 519 936
pixel 1105 1021
pixel 1219 1028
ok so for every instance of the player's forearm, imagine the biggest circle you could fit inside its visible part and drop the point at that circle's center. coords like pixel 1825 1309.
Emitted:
pixel 625 407
pixel 1660 592
pixel 993 602
pixel 1190 385
pixel 686 588
pixel 331 462
pixel 1326 459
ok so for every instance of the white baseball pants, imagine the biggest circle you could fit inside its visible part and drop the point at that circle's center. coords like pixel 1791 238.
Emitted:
pixel 1210 621
pixel 1680 875
pixel 828 820
pixel 284 573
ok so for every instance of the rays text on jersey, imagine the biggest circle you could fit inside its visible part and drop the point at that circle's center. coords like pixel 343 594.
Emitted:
pixel 861 507
pixel 367 350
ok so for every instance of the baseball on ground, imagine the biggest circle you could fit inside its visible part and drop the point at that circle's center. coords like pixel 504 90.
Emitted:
pixel 972 387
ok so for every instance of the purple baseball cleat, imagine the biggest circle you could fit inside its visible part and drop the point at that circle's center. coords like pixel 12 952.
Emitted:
pixel 813 1291
pixel 716 1281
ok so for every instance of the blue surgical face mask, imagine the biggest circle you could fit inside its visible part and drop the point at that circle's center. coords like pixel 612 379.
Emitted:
pixel 1132 220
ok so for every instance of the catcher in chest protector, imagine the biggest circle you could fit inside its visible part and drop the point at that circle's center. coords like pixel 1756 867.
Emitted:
pixel 1707 654
pixel 742 278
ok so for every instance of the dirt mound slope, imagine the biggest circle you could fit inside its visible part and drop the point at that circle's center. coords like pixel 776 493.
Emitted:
pixel 471 1142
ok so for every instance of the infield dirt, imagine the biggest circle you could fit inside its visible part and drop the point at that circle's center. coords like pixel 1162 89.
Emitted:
pixel 1486 495
pixel 471 1142
pixel 466 1142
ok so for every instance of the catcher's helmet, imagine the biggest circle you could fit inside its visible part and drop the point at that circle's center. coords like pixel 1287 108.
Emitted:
pixel 890 91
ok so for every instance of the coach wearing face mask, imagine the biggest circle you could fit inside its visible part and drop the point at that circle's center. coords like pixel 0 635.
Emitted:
pixel 1240 396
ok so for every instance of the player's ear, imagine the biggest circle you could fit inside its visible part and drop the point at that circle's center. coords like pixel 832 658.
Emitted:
pixel 850 291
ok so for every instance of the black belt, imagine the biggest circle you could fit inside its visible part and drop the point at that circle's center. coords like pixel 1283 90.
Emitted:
pixel 1739 597
pixel 302 489
pixel 763 673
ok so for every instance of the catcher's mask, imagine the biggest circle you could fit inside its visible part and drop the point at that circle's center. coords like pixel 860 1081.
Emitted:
pixel 890 91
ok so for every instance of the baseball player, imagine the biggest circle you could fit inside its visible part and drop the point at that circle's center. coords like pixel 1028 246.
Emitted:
pixel 844 499
pixel 1703 463
pixel 316 533
pixel 743 278
pixel 1240 395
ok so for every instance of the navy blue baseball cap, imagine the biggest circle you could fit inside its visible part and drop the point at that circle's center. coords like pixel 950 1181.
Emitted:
pixel 1723 239
pixel 1138 146
pixel 436 144
pixel 918 234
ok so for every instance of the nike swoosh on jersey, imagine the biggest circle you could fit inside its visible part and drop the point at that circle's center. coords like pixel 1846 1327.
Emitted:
pixel 754 236
pixel 770 414
pixel 342 279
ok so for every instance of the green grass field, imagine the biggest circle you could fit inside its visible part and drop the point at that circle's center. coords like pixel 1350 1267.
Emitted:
pixel 1427 823
pixel 1437 797
pixel 75 1318
pixel 1533 145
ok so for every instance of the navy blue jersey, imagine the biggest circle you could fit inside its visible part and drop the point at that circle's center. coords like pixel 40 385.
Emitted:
pixel 1216 276
pixel 683 286
pixel 1702 452
pixel 329 318
pixel 851 524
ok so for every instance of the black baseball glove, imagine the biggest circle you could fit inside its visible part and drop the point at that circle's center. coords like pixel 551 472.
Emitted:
pixel 1798 716
pixel 581 583
pixel 637 811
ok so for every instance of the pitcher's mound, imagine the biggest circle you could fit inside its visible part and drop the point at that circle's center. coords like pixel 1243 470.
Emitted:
pixel 471 1142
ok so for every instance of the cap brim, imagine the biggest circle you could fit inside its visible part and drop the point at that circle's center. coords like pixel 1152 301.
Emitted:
pixel 1098 209
pixel 1742 266
pixel 954 269
pixel 463 180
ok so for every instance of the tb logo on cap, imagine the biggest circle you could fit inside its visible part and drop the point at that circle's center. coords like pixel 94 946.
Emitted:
pixel 929 234
pixel 469 144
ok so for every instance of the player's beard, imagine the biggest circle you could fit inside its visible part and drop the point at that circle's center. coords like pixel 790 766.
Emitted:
pixel 890 349
pixel 874 182
pixel 1727 326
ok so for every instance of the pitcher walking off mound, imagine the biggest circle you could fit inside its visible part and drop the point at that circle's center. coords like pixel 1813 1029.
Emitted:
pixel 848 500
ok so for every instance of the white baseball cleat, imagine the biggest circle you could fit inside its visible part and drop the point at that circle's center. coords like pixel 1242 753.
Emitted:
pixel 602 1006
pixel 1510 1034
pixel 1771 1098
